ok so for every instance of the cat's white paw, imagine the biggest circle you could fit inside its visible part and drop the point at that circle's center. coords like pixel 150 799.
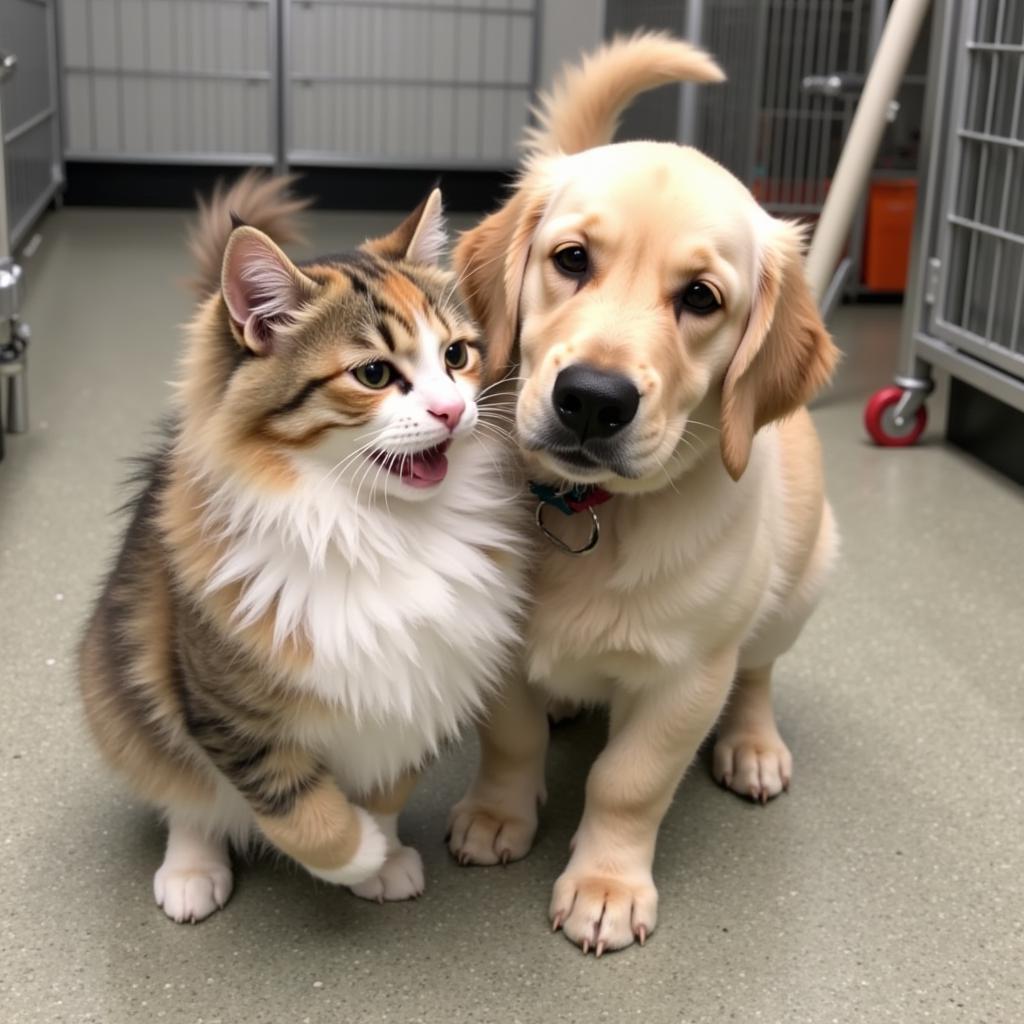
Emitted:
pixel 195 878
pixel 365 862
pixel 192 893
pixel 400 878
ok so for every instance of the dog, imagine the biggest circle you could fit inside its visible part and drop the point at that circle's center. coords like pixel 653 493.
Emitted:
pixel 656 327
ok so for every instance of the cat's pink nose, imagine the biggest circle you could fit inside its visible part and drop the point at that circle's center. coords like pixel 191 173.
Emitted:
pixel 449 410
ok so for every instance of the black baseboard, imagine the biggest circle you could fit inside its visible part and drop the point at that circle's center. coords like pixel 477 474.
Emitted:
pixel 988 429
pixel 332 188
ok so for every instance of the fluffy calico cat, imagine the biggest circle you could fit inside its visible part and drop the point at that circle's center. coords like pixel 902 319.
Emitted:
pixel 321 578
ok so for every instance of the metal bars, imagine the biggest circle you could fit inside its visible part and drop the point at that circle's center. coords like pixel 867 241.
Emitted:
pixel 404 83
pixel 335 82
pixel 981 231
pixel 801 134
pixel 30 142
pixel 178 79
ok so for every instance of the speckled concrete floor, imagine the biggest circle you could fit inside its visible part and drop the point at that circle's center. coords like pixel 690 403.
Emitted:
pixel 888 885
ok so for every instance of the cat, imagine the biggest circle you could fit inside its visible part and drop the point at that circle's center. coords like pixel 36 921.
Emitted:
pixel 323 574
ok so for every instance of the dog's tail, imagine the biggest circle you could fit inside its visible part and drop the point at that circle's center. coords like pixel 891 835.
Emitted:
pixel 261 200
pixel 582 109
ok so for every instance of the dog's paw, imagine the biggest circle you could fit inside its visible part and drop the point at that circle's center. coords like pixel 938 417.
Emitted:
pixel 191 893
pixel 754 765
pixel 601 913
pixel 400 878
pixel 491 832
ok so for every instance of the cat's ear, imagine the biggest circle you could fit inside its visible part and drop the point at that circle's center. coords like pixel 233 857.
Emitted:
pixel 421 238
pixel 263 290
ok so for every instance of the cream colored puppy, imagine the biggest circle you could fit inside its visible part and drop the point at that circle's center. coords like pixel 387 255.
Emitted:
pixel 666 343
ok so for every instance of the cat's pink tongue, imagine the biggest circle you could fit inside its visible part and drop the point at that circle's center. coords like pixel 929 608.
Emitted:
pixel 427 468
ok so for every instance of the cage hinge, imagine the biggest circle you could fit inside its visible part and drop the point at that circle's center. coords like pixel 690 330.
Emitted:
pixel 931 283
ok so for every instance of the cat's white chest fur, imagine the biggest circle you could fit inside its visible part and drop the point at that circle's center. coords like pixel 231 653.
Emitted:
pixel 411 617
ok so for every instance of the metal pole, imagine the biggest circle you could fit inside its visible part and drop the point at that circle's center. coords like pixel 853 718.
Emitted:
pixel 688 92
pixel 861 146
pixel 280 68
pixel 14 334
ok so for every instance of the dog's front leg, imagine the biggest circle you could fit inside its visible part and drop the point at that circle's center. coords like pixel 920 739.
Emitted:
pixel 497 819
pixel 606 896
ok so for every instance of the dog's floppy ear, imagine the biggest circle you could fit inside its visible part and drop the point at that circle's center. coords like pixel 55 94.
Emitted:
pixel 785 355
pixel 490 261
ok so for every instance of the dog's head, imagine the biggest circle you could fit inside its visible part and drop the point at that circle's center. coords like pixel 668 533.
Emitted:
pixel 652 302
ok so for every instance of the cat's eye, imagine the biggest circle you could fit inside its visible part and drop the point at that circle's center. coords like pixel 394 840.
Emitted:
pixel 698 297
pixel 456 355
pixel 375 375
pixel 571 259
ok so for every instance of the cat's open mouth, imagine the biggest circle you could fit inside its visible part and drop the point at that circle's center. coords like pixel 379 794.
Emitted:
pixel 417 469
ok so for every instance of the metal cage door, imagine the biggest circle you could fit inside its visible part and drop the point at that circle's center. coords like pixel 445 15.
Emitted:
pixel 30 121
pixel 978 247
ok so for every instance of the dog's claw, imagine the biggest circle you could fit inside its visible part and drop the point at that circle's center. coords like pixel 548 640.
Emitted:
pixel 556 923
pixel 599 950
pixel 586 946
pixel 641 934
pixel 505 857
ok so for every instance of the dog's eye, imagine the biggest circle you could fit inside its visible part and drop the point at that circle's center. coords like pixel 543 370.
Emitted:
pixel 571 259
pixel 699 298
pixel 376 375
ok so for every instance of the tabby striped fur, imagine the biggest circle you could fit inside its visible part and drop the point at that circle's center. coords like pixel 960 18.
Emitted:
pixel 285 637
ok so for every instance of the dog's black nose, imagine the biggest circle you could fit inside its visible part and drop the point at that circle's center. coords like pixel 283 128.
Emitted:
pixel 593 403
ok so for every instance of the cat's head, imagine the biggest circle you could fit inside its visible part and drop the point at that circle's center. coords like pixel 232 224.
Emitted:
pixel 359 368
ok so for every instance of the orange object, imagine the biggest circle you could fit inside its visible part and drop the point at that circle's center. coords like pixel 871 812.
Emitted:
pixel 890 224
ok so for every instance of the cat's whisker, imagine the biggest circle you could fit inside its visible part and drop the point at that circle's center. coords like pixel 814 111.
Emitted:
pixel 387 480
pixel 362 479
pixel 504 427
pixel 496 432
pixel 382 468
pixel 508 408
pixel 507 379
pixel 338 467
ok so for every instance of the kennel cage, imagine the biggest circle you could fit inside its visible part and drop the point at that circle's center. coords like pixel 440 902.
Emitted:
pixel 795 70
pixel 964 307
pixel 299 83
pixel 30 171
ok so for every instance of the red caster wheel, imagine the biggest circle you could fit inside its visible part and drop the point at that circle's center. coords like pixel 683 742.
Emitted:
pixel 880 421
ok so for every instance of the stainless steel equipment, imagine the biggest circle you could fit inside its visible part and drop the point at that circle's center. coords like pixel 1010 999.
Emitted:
pixel 30 169
pixel 379 83
pixel 964 308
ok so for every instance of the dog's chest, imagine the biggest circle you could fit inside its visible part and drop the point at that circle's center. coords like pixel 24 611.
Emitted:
pixel 672 576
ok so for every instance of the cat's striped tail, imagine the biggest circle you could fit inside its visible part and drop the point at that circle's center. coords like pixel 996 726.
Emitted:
pixel 259 199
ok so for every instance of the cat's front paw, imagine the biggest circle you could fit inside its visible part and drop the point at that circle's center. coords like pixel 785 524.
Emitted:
pixel 188 894
pixel 367 860
pixel 400 878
